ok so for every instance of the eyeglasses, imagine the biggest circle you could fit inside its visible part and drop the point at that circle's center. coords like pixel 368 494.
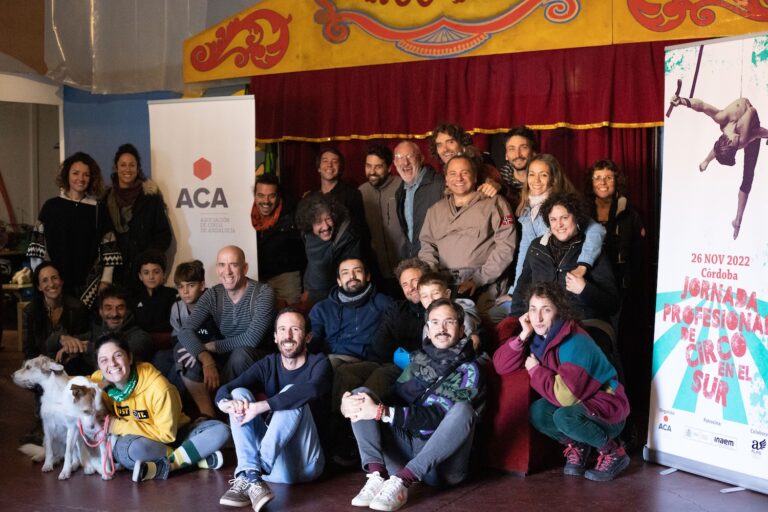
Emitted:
pixel 607 179
pixel 410 157
pixel 448 322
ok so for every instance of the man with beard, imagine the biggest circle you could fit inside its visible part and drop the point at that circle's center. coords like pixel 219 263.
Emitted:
pixel 519 147
pixel 420 189
pixel 280 251
pixel 429 438
pixel 115 319
pixel 343 326
pixel 381 214
pixel 286 447
pixel 328 238
pixel 449 140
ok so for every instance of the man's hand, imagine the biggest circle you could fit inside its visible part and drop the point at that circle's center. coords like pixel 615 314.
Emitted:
pixel 210 346
pixel 531 362
pixel 211 377
pixel 364 409
pixel 72 345
pixel 350 404
pixel 490 188
pixel 467 287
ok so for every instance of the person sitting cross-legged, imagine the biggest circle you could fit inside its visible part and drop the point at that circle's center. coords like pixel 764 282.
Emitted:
pixel 277 439
pixel 430 438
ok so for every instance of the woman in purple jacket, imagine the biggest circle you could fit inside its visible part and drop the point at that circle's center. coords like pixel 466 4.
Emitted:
pixel 583 405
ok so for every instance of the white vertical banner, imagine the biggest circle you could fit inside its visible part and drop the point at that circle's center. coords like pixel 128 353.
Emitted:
pixel 203 159
pixel 709 405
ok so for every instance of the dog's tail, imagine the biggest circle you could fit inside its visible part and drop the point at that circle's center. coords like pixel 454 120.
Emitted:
pixel 33 451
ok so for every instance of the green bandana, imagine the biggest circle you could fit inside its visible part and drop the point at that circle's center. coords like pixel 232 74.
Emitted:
pixel 118 395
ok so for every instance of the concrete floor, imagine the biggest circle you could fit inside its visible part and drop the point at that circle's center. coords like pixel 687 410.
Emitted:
pixel 640 488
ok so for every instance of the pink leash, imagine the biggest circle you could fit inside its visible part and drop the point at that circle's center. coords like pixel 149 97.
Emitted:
pixel 107 463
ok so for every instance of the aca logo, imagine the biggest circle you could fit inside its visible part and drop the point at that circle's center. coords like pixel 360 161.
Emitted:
pixel 201 197
pixel 758 446
pixel 665 426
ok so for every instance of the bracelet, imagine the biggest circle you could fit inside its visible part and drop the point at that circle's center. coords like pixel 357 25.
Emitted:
pixel 209 365
pixel 379 412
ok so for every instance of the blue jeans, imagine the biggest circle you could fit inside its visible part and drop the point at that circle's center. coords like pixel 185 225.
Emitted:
pixel 443 459
pixel 572 423
pixel 207 436
pixel 286 450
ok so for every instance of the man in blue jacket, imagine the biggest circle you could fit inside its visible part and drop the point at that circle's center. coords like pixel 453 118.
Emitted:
pixel 343 326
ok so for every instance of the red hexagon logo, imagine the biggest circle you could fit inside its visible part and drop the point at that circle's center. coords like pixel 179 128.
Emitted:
pixel 201 168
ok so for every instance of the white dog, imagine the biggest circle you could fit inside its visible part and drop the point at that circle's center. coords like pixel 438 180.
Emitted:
pixel 49 375
pixel 87 427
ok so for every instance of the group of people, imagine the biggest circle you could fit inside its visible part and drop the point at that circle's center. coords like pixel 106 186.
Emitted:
pixel 382 302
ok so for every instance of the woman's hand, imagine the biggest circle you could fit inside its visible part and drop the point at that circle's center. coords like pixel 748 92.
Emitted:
pixel 574 283
pixel 526 326
pixel 531 362
pixel 502 299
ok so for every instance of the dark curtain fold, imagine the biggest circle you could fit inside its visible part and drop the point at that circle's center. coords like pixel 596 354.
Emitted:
pixel 616 85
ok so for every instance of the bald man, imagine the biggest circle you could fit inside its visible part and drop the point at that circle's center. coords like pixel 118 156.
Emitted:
pixel 420 189
pixel 243 311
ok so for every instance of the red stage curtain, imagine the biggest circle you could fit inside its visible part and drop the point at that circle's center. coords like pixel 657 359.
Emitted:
pixel 616 85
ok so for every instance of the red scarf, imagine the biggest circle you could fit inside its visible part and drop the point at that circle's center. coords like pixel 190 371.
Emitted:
pixel 264 223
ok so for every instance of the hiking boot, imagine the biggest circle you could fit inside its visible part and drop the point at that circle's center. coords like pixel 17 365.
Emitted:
pixel 237 495
pixel 369 490
pixel 260 494
pixel 576 455
pixel 609 465
pixel 213 461
pixel 157 470
pixel 392 495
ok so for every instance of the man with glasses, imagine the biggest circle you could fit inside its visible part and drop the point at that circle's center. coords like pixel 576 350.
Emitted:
pixel 420 189
pixel 429 439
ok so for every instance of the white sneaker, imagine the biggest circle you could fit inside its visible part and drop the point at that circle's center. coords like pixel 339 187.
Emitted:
pixel 369 491
pixel 392 495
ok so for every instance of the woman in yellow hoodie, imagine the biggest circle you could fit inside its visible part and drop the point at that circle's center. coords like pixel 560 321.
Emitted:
pixel 150 434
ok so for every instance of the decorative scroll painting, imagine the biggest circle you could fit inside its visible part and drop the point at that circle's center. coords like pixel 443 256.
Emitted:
pixel 277 36
pixel 655 20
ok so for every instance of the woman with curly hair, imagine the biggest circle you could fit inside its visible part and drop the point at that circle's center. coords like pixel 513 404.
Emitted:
pixel 583 404
pixel 74 230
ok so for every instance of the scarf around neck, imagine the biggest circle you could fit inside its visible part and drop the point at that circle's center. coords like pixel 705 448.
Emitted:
pixel 119 395
pixel 535 203
pixel 261 223
pixel 431 364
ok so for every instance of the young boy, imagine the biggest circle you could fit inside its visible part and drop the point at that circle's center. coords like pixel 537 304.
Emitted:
pixel 433 286
pixel 190 282
pixel 151 304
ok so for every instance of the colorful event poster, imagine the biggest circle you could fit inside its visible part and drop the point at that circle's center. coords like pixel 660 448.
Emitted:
pixel 709 406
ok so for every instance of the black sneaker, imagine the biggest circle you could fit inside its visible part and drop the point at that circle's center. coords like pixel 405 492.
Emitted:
pixel 157 470
pixel 609 465
pixel 576 455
